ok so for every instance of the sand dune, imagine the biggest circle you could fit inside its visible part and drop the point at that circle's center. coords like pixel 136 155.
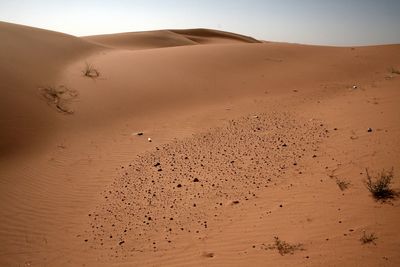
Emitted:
pixel 31 58
pixel 249 141
pixel 168 38
pixel 141 40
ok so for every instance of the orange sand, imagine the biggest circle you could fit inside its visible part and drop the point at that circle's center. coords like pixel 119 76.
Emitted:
pixel 248 141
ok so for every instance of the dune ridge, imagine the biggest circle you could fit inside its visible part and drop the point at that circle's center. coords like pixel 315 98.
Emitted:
pixel 205 36
pixel 168 38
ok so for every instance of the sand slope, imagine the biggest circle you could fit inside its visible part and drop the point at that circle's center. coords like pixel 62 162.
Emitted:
pixel 248 142
pixel 30 58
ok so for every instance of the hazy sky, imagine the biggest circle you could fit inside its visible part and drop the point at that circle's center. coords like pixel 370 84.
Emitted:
pixel 331 22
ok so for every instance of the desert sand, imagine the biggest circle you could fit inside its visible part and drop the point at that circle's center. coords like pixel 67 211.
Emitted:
pixel 250 141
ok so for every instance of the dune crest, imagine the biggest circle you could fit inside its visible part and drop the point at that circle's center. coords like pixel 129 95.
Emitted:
pixel 207 36
pixel 168 38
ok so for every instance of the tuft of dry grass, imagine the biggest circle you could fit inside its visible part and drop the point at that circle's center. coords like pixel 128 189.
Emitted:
pixel 90 71
pixel 284 247
pixel 380 187
pixel 342 184
pixel 368 238
pixel 59 97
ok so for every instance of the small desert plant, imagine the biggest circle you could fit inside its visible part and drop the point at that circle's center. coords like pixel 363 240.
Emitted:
pixel 59 97
pixel 380 187
pixel 343 185
pixel 285 248
pixel 90 71
pixel 394 70
pixel 368 238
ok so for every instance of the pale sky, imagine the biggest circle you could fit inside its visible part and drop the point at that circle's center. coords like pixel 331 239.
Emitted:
pixel 325 22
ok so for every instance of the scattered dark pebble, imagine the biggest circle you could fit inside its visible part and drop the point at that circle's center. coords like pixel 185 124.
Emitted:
pixel 208 254
pixel 230 178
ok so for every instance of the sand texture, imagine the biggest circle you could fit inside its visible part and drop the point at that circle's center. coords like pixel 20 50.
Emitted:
pixel 195 148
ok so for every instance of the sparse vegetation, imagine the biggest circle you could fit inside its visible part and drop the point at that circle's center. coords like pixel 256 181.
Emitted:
pixel 90 71
pixel 380 187
pixel 394 70
pixel 59 97
pixel 368 238
pixel 343 185
pixel 285 248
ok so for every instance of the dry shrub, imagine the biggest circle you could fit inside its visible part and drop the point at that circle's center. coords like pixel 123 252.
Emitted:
pixel 59 97
pixel 90 71
pixel 380 187
pixel 284 247
pixel 368 238
pixel 342 184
